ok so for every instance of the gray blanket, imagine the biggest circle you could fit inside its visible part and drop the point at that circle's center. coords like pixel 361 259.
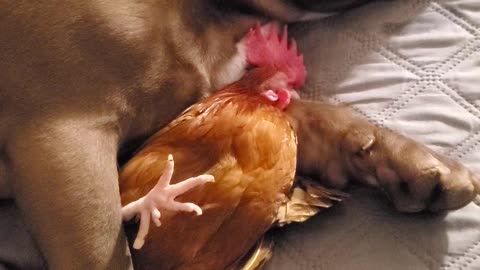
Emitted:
pixel 414 67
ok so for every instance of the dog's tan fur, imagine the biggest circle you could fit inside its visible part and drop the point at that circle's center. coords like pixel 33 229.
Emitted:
pixel 80 79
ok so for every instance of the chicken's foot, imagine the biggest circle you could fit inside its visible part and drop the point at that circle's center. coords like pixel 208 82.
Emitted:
pixel 162 196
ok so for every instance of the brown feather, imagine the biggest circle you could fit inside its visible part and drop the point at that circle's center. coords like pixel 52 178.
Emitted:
pixel 249 147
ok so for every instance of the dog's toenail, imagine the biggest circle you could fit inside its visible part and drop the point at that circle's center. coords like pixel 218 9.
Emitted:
pixel 369 145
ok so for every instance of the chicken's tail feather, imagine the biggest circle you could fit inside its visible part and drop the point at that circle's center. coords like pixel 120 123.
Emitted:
pixel 306 200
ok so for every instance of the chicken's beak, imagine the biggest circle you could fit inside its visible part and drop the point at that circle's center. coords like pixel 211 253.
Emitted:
pixel 294 94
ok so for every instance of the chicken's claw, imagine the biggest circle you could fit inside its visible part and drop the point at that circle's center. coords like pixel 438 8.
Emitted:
pixel 162 196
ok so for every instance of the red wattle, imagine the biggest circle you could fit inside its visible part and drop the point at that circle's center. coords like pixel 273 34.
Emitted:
pixel 284 97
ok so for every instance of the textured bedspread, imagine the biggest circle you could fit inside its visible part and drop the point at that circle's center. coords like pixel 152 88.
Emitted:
pixel 414 67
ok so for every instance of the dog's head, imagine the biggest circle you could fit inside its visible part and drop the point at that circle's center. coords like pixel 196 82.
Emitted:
pixel 289 10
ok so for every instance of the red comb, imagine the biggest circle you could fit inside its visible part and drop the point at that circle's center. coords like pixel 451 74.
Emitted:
pixel 272 48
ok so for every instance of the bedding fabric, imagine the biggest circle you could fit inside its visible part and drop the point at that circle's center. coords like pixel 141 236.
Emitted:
pixel 414 67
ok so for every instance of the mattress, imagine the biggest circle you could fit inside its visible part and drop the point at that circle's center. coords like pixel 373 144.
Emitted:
pixel 414 67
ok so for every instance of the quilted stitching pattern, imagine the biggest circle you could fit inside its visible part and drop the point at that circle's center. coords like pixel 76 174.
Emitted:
pixel 411 66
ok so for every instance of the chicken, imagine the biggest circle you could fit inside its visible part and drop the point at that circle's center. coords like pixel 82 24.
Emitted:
pixel 239 136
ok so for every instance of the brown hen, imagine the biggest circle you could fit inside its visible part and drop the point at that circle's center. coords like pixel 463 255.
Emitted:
pixel 240 136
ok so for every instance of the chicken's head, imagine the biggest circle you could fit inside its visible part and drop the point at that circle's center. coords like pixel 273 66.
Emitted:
pixel 267 48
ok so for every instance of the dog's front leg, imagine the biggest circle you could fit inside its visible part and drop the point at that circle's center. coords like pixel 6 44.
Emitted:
pixel 336 145
pixel 65 183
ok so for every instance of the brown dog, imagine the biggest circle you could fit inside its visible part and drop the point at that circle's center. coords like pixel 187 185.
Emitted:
pixel 80 79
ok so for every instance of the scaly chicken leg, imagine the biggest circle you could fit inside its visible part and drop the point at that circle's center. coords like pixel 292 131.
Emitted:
pixel 163 196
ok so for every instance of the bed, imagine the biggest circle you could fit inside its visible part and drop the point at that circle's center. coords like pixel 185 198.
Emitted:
pixel 411 66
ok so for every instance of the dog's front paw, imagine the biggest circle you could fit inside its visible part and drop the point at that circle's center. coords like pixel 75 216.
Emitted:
pixel 413 177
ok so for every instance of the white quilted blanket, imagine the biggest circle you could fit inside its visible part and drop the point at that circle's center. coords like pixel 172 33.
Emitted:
pixel 412 66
